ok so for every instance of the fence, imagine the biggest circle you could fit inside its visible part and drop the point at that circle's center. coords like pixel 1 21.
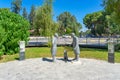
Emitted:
pixel 90 42
pixel 86 42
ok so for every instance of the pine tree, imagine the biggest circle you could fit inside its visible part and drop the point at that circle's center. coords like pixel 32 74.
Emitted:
pixel 68 24
pixel 16 6
pixel 25 15
pixel 32 16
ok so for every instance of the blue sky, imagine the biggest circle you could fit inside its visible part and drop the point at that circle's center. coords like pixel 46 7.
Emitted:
pixel 79 8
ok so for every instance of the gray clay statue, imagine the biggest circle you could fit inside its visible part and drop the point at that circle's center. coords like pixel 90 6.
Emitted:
pixel 54 46
pixel 76 48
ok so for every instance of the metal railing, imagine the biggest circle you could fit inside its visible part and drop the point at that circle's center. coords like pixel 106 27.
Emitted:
pixel 40 41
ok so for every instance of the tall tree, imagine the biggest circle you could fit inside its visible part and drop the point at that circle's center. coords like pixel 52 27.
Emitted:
pixel 96 23
pixel 113 7
pixel 16 6
pixel 25 15
pixel 68 24
pixel 45 26
pixel 32 16
pixel 100 23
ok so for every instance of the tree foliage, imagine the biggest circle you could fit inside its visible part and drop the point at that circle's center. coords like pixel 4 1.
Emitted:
pixel 16 6
pixel 100 23
pixel 85 34
pixel 113 7
pixel 32 16
pixel 44 24
pixel 25 15
pixel 68 24
pixel 113 28
pixel 13 28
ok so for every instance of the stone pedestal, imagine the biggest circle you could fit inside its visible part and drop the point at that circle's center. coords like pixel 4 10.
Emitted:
pixel 22 50
pixel 111 57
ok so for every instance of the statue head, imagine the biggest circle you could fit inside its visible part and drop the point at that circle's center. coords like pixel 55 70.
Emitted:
pixel 72 34
pixel 56 35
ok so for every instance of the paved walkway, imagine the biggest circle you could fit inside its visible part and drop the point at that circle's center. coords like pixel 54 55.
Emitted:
pixel 44 69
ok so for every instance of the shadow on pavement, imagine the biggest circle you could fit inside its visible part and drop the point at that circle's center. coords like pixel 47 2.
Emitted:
pixel 62 59
pixel 17 59
pixel 46 59
pixel 65 60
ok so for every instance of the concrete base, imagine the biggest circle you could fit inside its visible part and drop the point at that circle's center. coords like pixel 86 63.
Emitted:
pixel 111 58
pixel 37 69
pixel 22 56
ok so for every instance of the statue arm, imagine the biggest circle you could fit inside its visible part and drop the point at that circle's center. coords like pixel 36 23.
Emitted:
pixel 52 40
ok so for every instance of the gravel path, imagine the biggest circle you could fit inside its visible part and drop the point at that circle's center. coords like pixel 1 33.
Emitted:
pixel 44 69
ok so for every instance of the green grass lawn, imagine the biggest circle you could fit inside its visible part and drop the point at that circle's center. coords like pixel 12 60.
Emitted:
pixel 38 52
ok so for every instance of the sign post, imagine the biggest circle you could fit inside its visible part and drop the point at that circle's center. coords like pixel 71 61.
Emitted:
pixel 111 51
pixel 22 50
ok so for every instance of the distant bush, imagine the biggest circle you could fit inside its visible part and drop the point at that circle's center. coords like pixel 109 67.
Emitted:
pixel 117 47
pixel 13 28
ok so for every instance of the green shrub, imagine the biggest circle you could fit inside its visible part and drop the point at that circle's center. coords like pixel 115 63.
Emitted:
pixel 117 47
pixel 1 53
pixel 13 28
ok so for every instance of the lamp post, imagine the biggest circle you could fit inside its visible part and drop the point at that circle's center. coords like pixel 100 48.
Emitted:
pixel 22 50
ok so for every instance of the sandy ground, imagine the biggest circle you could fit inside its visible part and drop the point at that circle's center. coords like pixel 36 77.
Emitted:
pixel 45 69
